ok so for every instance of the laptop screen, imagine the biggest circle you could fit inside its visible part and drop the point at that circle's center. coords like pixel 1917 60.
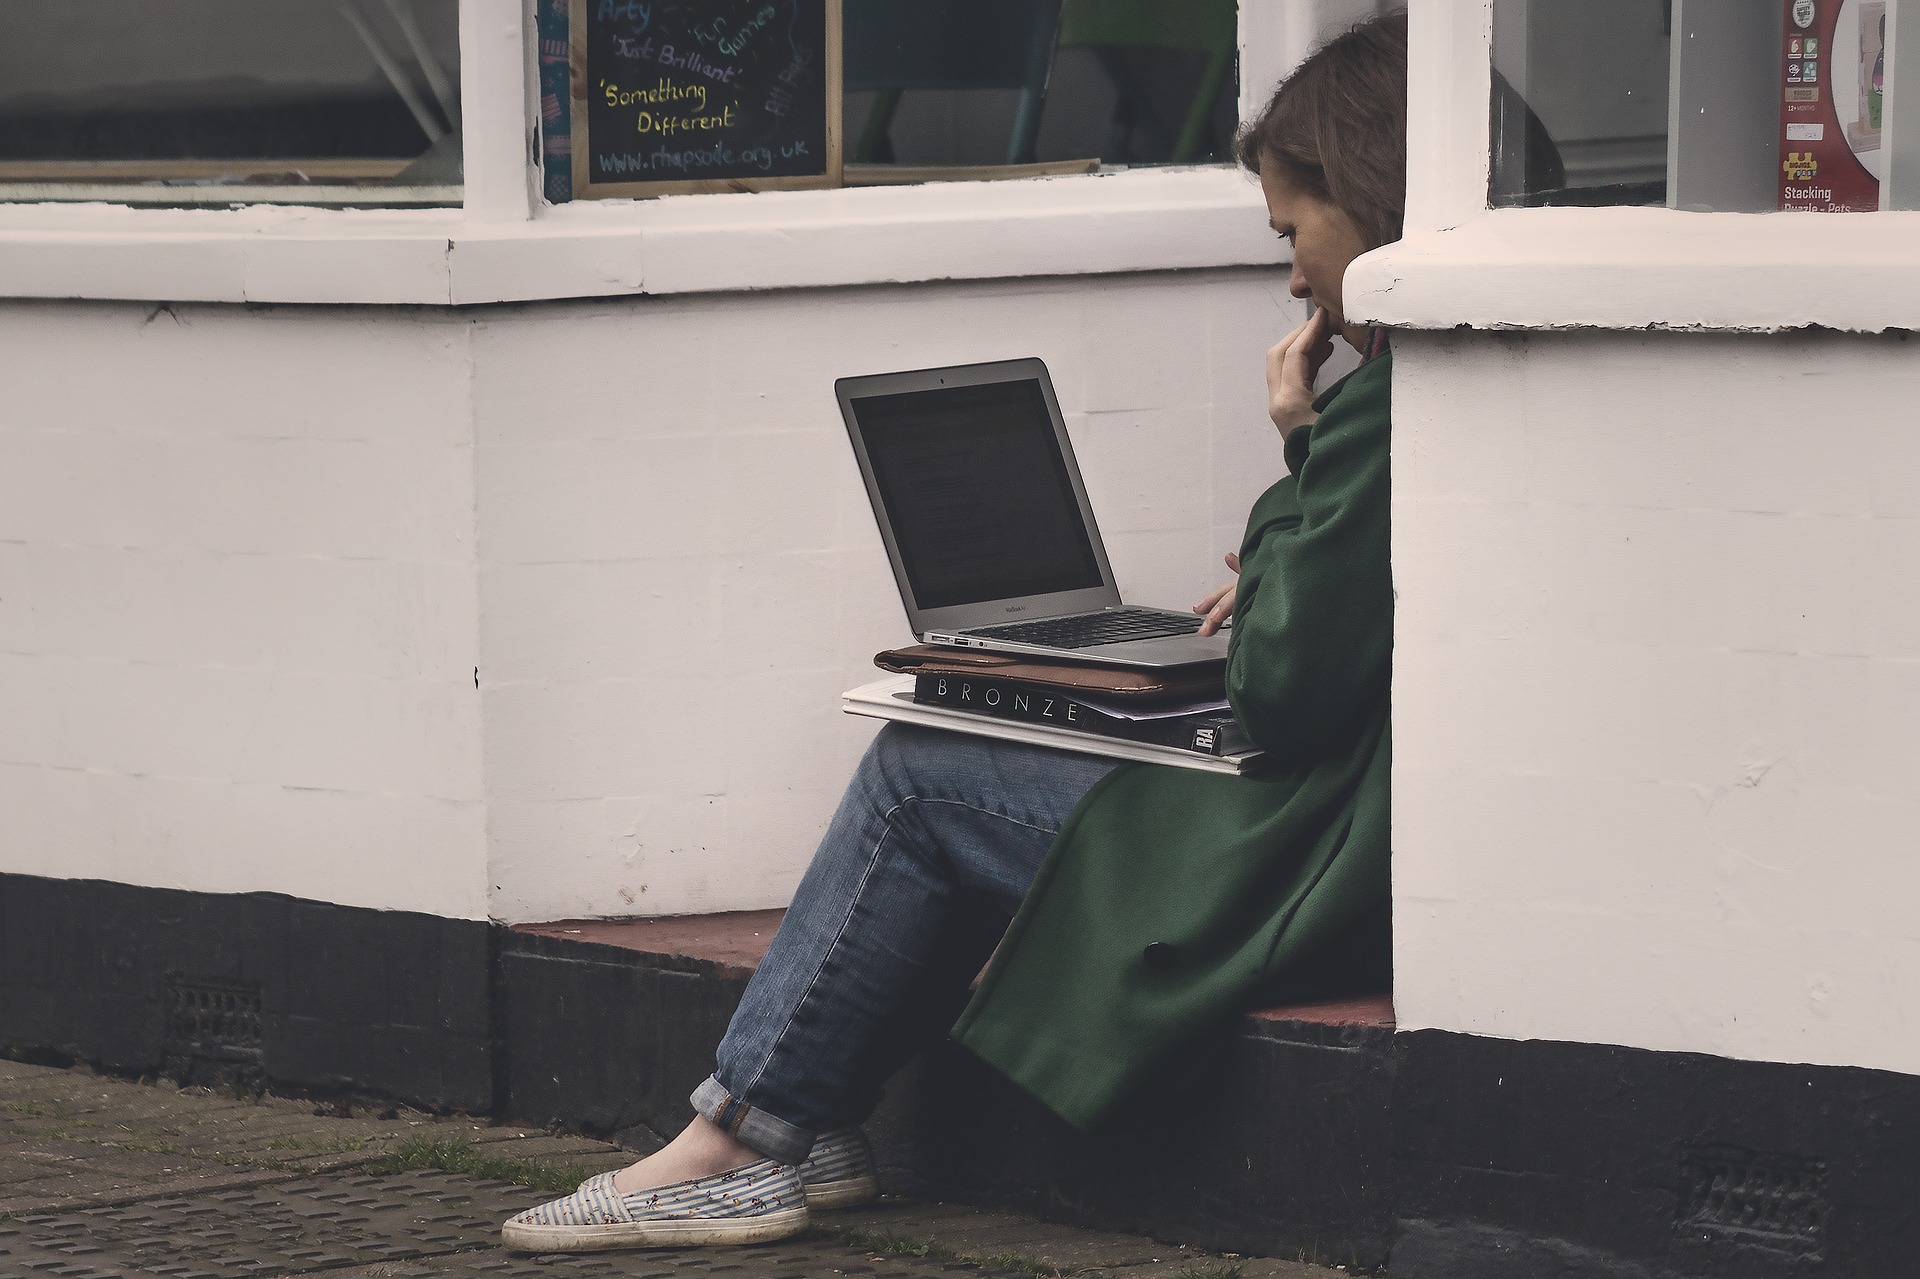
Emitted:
pixel 977 493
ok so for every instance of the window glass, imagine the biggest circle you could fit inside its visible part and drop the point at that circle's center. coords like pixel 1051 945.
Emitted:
pixel 987 88
pixel 1730 105
pixel 224 101
pixel 1580 102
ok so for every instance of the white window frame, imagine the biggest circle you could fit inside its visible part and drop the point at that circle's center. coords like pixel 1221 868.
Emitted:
pixel 1462 263
pixel 507 244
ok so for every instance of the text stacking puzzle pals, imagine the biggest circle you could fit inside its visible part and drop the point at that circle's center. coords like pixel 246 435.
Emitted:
pixel 705 95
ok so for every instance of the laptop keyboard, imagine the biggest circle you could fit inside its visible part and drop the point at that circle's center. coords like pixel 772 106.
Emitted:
pixel 1084 630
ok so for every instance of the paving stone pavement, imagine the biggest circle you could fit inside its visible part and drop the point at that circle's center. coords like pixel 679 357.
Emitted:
pixel 103 1177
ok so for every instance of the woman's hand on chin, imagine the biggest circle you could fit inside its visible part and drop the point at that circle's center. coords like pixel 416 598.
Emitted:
pixel 1217 607
pixel 1292 365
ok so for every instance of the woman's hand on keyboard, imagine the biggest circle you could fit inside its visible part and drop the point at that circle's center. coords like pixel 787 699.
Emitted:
pixel 1217 607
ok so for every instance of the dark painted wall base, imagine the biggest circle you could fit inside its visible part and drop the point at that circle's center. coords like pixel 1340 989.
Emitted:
pixel 604 1038
pixel 1443 1156
pixel 1273 1139
pixel 250 988
pixel 1626 1162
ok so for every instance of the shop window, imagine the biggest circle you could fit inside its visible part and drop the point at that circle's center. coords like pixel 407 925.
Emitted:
pixel 946 89
pixel 1706 105
pixel 227 101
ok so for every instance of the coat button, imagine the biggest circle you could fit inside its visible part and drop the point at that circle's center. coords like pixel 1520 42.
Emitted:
pixel 1160 955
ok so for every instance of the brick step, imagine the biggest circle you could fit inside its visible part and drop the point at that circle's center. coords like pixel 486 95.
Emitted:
pixel 1272 1140
pixel 734 942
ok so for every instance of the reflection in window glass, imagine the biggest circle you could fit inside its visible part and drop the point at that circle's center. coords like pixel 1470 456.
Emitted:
pixel 1704 105
pixel 955 83
pixel 965 88
pixel 220 101
pixel 1580 101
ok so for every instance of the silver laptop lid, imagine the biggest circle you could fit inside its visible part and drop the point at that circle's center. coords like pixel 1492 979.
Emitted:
pixel 979 501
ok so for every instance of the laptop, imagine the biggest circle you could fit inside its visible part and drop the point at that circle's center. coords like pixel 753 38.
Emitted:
pixel 985 519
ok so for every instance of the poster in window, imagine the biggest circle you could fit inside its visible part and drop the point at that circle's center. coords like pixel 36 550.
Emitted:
pixel 704 95
pixel 1833 86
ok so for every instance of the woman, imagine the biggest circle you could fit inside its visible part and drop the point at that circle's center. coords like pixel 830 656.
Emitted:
pixel 1153 903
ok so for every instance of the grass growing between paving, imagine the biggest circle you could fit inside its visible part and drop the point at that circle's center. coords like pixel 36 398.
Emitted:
pixel 457 1154
pixel 319 1146
pixel 231 1158
pixel 886 1243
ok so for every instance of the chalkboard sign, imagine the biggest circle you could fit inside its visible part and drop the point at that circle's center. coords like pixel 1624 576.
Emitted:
pixel 705 95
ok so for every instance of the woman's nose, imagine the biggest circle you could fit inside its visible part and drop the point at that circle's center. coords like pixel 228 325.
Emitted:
pixel 1297 284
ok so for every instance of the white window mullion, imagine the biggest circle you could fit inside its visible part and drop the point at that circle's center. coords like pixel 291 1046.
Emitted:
pixel 1449 84
pixel 498 108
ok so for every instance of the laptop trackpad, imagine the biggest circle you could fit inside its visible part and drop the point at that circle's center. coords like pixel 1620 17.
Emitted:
pixel 1181 650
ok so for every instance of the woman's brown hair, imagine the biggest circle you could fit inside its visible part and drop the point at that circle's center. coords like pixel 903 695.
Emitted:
pixel 1336 129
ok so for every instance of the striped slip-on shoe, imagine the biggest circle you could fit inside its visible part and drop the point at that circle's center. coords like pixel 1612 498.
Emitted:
pixel 754 1204
pixel 839 1171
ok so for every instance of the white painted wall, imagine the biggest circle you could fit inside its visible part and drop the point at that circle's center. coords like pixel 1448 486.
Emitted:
pixel 250 559
pixel 680 571
pixel 237 602
pixel 1657 691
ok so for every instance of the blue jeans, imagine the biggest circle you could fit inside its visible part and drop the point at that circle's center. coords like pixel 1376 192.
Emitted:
pixel 937 839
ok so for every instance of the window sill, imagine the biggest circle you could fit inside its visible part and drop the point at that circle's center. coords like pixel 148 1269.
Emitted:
pixel 1143 220
pixel 1648 268
pixel 321 195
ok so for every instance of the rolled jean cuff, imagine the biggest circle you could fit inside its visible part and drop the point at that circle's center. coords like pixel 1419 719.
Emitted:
pixel 775 1138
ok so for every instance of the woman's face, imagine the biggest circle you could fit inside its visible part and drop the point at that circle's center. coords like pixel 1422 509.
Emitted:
pixel 1325 242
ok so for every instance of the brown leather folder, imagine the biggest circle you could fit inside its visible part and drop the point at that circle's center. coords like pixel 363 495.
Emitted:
pixel 1143 685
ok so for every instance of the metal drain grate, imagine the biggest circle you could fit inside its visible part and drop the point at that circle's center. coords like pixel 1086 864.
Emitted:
pixel 213 1021
pixel 1775 1202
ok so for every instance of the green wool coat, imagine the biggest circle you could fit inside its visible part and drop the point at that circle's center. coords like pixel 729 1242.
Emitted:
pixel 1174 899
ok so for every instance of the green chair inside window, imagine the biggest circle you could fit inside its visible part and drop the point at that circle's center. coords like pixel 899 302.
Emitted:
pixel 1209 27
pixel 894 46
